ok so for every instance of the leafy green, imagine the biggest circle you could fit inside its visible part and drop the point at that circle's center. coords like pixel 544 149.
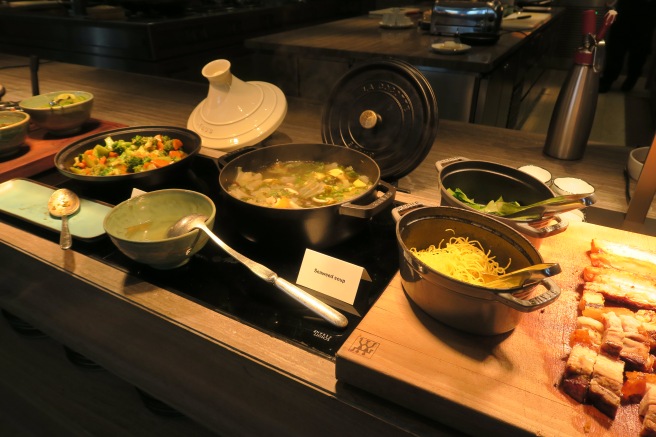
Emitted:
pixel 494 207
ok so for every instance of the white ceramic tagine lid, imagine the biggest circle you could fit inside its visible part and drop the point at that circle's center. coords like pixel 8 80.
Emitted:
pixel 236 113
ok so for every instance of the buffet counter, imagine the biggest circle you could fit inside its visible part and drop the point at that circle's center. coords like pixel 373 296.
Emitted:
pixel 486 84
pixel 229 376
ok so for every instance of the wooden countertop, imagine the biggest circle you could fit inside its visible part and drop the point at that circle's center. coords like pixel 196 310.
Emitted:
pixel 231 377
pixel 362 38
pixel 430 367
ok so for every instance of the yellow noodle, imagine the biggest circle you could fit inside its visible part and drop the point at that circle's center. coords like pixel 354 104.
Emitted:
pixel 460 259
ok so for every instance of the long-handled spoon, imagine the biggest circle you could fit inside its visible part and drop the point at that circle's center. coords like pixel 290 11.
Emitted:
pixel 64 203
pixel 523 277
pixel 197 221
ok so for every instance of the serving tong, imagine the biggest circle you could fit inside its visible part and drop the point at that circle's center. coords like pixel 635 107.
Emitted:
pixel 523 278
pixel 548 208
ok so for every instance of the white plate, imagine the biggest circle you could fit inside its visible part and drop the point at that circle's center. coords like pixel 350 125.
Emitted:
pixel 450 49
pixel 28 200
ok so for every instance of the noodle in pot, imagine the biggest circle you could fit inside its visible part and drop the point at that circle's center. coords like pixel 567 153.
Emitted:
pixel 461 259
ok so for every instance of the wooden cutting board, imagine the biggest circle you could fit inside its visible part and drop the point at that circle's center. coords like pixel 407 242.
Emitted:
pixel 499 385
pixel 40 148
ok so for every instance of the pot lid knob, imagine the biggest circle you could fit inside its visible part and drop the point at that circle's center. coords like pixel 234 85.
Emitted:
pixel 369 119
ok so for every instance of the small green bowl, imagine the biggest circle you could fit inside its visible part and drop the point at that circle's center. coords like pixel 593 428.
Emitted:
pixel 62 117
pixel 13 130
pixel 138 226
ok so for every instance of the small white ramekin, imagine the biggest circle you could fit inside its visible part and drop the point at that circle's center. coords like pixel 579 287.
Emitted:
pixel 539 173
pixel 564 186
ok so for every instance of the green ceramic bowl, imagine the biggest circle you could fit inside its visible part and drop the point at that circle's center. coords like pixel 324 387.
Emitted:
pixel 13 130
pixel 138 226
pixel 59 112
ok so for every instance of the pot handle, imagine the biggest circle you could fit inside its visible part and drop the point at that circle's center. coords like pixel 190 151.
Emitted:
pixel 439 165
pixel 535 303
pixel 370 210
pixel 402 210
pixel 546 231
pixel 222 161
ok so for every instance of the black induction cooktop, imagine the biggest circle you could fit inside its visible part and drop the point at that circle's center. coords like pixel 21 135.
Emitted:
pixel 217 281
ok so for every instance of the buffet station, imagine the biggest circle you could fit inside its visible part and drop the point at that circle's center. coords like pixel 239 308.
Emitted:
pixel 287 318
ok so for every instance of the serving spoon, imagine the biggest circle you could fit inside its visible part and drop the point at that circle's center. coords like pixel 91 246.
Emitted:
pixel 64 203
pixel 522 277
pixel 197 221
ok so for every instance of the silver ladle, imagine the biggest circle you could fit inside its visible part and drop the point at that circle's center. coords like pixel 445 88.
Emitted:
pixel 522 277
pixel 197 221
pixel 64 203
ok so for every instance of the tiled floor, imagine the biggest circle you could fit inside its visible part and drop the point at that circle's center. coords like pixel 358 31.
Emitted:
pixel 620 119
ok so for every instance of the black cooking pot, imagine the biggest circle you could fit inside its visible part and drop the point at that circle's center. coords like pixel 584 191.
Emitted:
pixel 471 308
pixel 317 227
pixel 484 181
pixel 191 146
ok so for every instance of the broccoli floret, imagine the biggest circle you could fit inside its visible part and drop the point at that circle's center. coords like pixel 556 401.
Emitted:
pixel 132 162
pixel 139 141
pixel 168 143
pixel 119 147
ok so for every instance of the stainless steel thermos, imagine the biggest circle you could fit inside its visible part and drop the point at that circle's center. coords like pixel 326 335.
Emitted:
pixel 573 115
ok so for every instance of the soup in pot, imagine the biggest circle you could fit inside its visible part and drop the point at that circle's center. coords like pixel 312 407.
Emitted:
pixel 299 184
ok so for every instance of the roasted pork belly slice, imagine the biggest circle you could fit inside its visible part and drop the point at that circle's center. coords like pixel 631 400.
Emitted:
pixel 605 274
pixel 635 347
pixel 648 319
pixel 636 355
pixel 648 400
pixel 622 250
pixel 578 372
pixel 605 391
pixel 649 423
pixel 613 337
pixel 635 385
pixel 647 410
pixel 592 304
pixel 588 331
pixel 635 296
pixel 621 263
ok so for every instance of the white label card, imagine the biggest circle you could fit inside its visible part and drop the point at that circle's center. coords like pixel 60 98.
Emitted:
pixel 136 192
pixel 331 276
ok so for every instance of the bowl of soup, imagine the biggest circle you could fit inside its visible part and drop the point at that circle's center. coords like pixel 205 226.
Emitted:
pixel 60 112
pixel 139 226
pixel 13 131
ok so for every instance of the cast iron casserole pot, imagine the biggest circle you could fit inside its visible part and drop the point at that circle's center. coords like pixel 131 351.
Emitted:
pixel 191 146
pixel 468 307
pixel 485 181
pixel 317 227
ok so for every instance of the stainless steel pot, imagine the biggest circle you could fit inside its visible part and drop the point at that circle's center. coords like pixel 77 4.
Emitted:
pixel 485 181
pixel 464 306
pixel 317 227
